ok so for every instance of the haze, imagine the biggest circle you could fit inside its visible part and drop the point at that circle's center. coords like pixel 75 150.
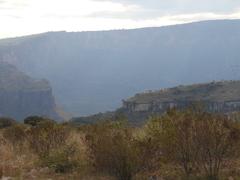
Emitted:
pixel 23 17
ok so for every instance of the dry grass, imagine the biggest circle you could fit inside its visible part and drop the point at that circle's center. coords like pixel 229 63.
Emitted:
pixel 14 163
pixel 20 162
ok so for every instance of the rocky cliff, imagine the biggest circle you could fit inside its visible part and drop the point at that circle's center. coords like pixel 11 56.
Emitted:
pixel 22 96
pixel 221 97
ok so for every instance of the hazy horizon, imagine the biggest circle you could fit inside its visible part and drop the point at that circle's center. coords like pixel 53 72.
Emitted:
pixel 117 29
pixel 27 17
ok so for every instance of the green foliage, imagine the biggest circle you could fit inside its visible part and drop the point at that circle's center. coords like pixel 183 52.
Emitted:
pixel 61 159
pixel 35 120
pixel 214 91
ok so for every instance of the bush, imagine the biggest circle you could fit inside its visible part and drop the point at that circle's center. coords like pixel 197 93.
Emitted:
pixel 61 159
pixel 35 120
pixel 197 141
pixel 16 135
pixel 217 140
pixel 47 136
pixel 6 122
pixel 112 150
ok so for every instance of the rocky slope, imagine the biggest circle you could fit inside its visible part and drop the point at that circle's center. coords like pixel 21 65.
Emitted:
pixel 222 96
pixel 22 96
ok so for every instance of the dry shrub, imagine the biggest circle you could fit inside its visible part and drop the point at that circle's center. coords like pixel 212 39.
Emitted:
pixel 58 146
pixel 47 136
pixel 112 149
pixel 217 140
pixel 197 141
pixel 26 149
pixel 14 163
pixel 16 135
pixel 61 159
pixel 68 157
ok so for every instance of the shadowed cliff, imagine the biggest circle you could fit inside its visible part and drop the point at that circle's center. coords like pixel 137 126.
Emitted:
pixel 22 96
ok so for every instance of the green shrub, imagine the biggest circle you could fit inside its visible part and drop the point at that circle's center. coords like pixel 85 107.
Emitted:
pixel 6 122
pixel 61 159
pixel 35 120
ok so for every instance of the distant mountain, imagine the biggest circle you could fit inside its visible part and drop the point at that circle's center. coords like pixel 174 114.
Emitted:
pixel 223 97
pixel 92 71
pixel 22 96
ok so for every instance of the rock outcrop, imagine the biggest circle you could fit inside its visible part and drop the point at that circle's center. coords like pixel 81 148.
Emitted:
pixel 22 96
pixel 223 97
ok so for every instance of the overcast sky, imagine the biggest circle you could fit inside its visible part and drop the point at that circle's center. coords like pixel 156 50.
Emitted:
pixel 21 17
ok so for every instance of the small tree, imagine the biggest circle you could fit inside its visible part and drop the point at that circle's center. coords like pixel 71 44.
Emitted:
pixel 196 140
pixel 217 139
pixel 174 134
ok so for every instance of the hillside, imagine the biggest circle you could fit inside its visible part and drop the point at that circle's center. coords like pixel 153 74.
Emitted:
pixel 216 91
pixel 222 96
pixel 22 96
pixel 91 72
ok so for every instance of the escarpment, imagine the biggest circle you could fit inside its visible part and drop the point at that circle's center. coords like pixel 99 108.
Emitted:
pixel 22 96
pixel 223 97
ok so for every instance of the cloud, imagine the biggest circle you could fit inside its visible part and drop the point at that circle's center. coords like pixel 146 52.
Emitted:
pixel 2 1
pixel 21 17
pixel 148 9
pixel 187 6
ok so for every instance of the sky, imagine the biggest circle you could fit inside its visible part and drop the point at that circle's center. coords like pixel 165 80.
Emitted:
pixel 23 17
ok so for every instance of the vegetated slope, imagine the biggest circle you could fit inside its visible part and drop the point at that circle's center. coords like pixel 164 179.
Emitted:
pixel 92 71
pixel 215 91
pixel 222 96
pixel 22 96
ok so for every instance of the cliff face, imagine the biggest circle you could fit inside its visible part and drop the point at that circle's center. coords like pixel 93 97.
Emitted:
pixel 161 107
pixel 91 71
pixel 221 97
pixel 22 96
